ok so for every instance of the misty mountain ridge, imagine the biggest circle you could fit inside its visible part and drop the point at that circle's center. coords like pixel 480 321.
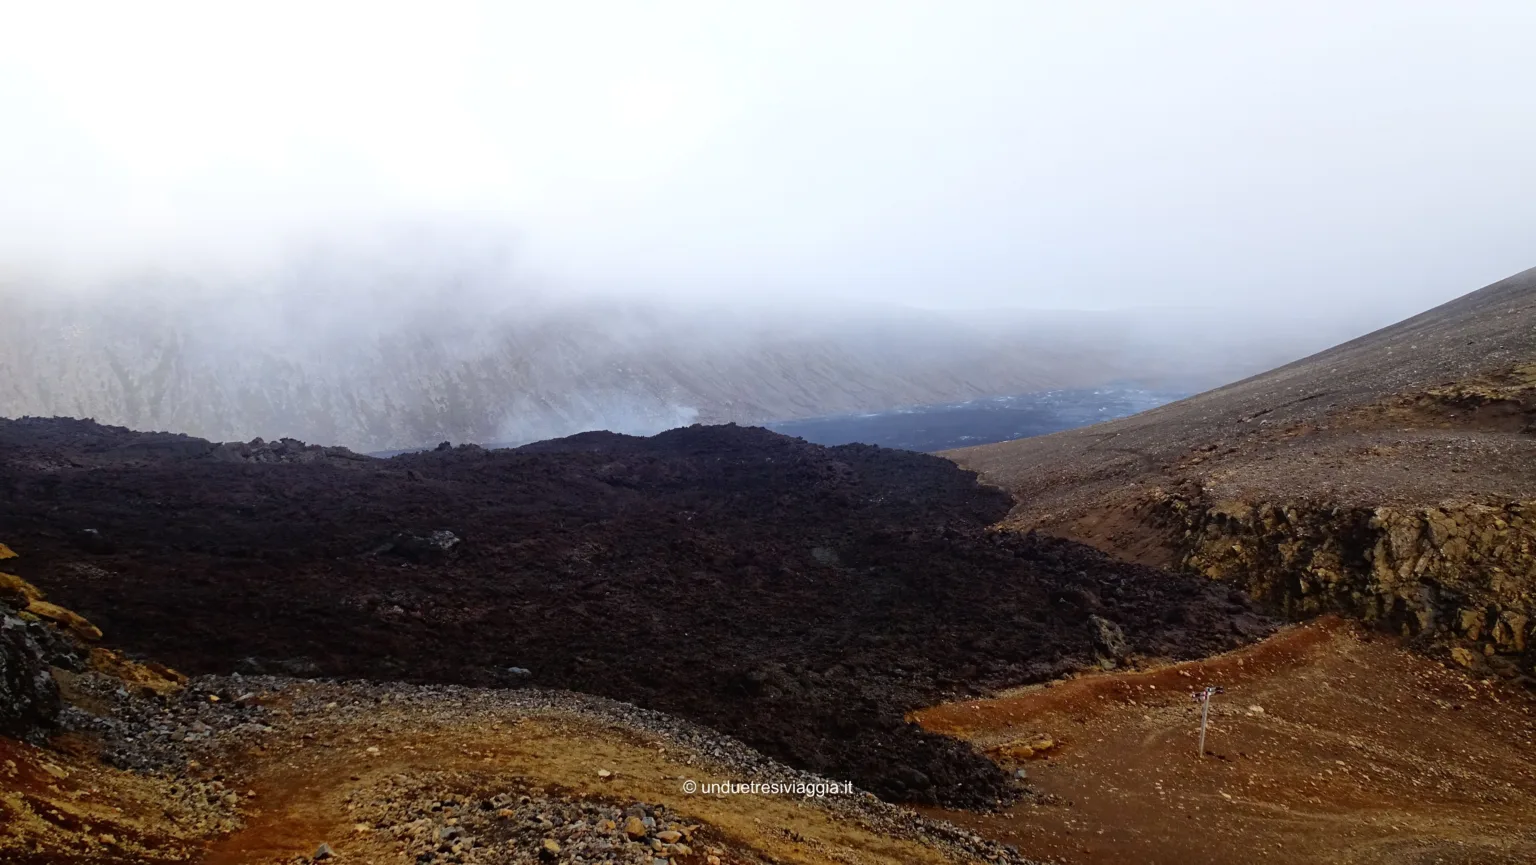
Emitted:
pixel 401 350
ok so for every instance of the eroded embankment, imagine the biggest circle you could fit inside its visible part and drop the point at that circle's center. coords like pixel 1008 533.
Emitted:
pixel 1462 574
pixel 1393 533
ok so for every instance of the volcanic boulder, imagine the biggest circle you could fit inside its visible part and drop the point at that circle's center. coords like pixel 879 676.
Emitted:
pixel 29 697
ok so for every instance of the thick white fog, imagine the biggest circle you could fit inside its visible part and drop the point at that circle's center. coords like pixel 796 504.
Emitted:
pixel 325 186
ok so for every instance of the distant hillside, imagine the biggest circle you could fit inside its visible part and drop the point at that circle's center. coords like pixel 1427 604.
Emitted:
pixel 393 360
pixel 1392 477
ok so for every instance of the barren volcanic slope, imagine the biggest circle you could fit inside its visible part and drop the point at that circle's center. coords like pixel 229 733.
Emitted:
pixel 1390 477
pixel 800 598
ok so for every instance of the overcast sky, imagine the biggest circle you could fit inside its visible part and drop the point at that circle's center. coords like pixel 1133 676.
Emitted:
pixel 968 152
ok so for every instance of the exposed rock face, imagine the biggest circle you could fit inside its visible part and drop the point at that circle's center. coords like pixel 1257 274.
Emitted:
pixel 1461 573
pixel 29 697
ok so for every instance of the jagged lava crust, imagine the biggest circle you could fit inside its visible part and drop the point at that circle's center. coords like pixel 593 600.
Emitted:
pixel 797 597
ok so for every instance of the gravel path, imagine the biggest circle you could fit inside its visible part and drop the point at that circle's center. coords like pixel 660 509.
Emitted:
pixel 275 767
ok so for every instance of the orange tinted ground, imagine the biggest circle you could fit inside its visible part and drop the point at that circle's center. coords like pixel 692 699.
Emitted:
pixel 61 807
pixel 308 794
pixel 1359 751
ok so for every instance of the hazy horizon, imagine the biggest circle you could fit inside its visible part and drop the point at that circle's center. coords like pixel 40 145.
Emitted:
pixel 980 154
pixel 375 223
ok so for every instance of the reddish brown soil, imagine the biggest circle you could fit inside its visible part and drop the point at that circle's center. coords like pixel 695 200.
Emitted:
pixel 62 806
pixel 310 794
pixel 1359 752
pixel 797 597
pixel 300 790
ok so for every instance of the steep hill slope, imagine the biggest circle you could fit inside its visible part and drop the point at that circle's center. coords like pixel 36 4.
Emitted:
pixel 1391 477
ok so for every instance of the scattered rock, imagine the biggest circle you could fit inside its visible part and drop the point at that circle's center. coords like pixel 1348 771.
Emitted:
pixel 434 547
pixel 825 556
pixel 1108 639
pixel 1026 749
pixel 322 852
pixel 302 668
pixel 286 450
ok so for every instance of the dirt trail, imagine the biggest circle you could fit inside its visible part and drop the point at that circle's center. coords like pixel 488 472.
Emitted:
pixel 267 769
pixel 307 797
pixel 1328 745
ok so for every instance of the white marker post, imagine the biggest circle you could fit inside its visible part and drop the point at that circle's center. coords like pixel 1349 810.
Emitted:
pixel 1203 697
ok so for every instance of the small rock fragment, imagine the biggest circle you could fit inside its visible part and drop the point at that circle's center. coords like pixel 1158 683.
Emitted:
pixel 1108 639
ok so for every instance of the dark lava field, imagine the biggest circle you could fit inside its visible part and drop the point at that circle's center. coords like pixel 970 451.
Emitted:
pixel 932 428
pixel 801 598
